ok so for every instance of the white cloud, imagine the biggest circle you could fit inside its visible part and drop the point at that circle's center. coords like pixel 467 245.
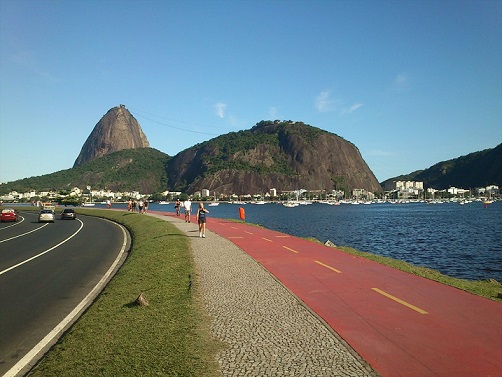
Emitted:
pixel 220 109
pixel 354 107
pixel 400 81
pixel 273 113
pixel 324 102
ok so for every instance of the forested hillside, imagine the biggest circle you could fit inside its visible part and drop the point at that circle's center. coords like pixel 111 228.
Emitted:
pixel 478 169
pixel 142 169
pixel 273 154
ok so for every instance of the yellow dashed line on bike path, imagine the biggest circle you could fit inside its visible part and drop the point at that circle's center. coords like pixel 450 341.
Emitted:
pixel 287 248
pixel 329 267
pixel 388 295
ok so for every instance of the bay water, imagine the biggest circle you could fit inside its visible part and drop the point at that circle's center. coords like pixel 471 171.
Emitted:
pixel 463 241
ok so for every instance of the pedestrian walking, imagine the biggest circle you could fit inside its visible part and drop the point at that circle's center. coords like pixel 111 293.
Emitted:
pixel 187 205
pixel 177 207
pixel 201 220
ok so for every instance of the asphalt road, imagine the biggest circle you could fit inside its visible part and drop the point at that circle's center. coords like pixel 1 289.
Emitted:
pixel 46 271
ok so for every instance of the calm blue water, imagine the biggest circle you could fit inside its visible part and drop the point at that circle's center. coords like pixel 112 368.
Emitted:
pixel 463 241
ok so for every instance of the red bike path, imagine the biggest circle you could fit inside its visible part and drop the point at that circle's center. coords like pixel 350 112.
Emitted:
pixel 401 324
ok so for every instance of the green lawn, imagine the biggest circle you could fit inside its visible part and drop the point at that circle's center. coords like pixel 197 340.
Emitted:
pixel 116 337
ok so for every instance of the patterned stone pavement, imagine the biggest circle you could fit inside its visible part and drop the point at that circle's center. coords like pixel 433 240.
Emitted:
pixel 269 332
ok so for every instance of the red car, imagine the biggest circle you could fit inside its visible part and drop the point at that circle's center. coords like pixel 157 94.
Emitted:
pixel 9 214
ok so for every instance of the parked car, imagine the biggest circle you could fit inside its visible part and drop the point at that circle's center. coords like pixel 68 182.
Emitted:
pixel 68 213
pixel 46 215
pixel 9 214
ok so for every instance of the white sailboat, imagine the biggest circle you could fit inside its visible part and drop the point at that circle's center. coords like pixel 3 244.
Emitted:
pixel 214 203
pixel 89 203
pixel 290 204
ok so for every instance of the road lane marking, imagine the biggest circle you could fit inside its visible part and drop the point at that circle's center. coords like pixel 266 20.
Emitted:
pixel 248 232
pixel 49 338
pixel 24 234
pixel 236 237
pixel 266 239
pixel 15 223
pixel 283 236
pixel 413 307
pixel 329 267
pixel 44 252
pixel 287 248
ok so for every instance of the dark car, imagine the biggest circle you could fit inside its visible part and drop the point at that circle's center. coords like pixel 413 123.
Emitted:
pixel 68 213
pixel 9 214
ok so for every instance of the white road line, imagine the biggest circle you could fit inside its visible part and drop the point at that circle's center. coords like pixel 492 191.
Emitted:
pixel 21 364
pixel 44 252
pixel 24 234
pixel 16 223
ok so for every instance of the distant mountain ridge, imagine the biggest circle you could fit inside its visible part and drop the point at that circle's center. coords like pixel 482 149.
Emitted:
pixel 117 130
pixel 284 155
pixel 477 169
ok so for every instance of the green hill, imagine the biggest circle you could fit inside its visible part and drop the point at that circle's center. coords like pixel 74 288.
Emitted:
pixel 142 169
pixel 284 155
pixel 478 169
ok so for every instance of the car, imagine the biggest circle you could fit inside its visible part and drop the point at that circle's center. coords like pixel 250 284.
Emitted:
pixel 46 215
pixel 68 213
pixel 9 214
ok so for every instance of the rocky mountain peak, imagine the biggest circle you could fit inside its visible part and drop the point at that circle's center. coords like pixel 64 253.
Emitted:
pixel 117 130
pixel 284 155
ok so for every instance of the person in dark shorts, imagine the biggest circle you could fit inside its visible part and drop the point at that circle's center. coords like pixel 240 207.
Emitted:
pixel 201 220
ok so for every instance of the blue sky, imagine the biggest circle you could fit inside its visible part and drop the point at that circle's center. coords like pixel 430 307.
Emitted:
pixel 410 83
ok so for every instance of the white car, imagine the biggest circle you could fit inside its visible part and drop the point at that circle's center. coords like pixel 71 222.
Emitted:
pixel 46 215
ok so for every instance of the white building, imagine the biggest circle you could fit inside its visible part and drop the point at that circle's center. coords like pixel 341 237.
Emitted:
pixel 405 189
pixel 457 191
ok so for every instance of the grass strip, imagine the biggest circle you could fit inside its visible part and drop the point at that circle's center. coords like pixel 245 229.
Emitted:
pixel 116 337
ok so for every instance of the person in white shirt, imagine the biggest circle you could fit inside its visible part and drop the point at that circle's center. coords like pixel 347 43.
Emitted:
pixel 187 205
